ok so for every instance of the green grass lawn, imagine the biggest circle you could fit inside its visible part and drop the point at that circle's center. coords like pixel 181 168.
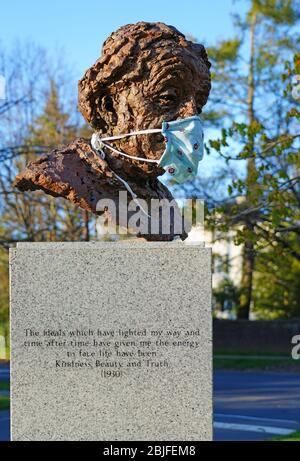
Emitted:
pixel 4 399
pixel 251 361
pixel 4 402
pixel 4 386
pixel 295 437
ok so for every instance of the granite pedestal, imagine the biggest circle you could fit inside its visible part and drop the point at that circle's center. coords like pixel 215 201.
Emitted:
pixel 111 341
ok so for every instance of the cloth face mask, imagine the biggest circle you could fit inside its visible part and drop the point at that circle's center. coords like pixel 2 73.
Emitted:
pixel 183 152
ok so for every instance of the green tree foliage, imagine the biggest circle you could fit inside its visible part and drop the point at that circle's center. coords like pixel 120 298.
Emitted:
pixel 53 126
pixel 252 100
pixel 276 286
pixel 226 296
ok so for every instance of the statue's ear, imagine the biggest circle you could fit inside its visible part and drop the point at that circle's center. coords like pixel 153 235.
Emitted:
pixel 95 103
pixel 201 52
pixel 107 103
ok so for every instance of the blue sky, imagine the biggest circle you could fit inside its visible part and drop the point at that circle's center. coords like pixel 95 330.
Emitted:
pixel 79 28
pixel 76 30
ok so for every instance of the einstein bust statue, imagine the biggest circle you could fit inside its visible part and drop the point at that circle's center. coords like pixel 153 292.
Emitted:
pixel 142 98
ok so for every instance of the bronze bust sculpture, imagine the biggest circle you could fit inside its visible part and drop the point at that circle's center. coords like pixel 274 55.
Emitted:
pixel 148 73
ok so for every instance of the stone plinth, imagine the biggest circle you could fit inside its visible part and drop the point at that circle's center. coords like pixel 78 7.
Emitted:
pixel 111 341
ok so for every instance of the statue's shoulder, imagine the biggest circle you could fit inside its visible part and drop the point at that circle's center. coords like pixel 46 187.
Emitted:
pixel 71 171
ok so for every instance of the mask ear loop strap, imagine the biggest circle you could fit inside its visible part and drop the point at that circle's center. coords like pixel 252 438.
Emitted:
pixel 141 159
pixel 97 146
pixel 133 195
pixel 98 143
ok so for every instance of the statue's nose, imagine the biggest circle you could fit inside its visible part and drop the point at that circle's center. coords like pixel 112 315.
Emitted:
pixel 189 108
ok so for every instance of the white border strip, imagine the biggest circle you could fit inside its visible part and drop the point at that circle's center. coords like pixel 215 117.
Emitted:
pixel 254 428
pixel 256 418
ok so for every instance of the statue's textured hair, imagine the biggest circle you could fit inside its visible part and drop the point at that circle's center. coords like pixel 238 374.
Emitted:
pixel 125 58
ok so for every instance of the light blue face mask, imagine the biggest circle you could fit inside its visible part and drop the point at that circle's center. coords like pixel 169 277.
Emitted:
pixel 184 147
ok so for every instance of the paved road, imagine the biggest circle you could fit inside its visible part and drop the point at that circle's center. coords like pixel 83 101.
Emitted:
pixel 255 406
pixel 4 372
pixel 247 406
pixel 4 415
pixel 4 426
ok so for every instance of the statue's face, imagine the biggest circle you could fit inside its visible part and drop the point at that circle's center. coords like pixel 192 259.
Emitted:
pixel 148 73
pixel 171 89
